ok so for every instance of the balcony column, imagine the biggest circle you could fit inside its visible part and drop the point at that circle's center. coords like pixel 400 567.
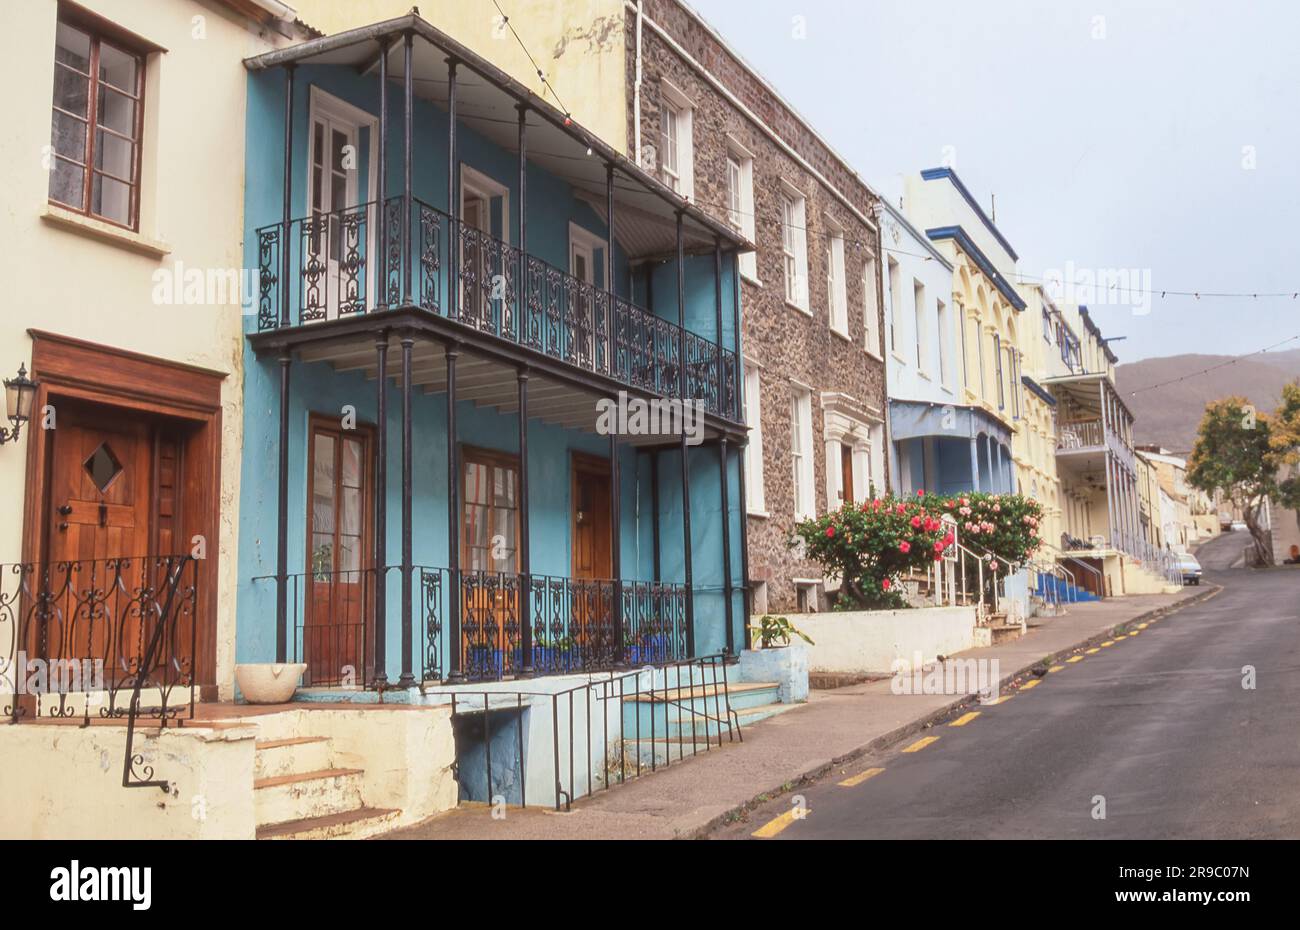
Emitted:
pixel 407 679
pixel 408 117
pixel 525 558
pixel 743 503
pixel 381 298
pixel 282 519
pixel 654 516
pixel 453 210
pixel 1110 500
pixel 455 674
pixel 724 489
pixel 285 276
pixel 688 573
pixel 521 285
pixel 615 473
pixel 974 464
pixel 380 679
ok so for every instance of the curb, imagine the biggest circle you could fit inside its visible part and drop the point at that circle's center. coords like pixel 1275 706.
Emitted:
pixel 818 769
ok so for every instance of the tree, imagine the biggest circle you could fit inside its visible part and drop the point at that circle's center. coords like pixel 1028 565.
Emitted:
pixel 1246 455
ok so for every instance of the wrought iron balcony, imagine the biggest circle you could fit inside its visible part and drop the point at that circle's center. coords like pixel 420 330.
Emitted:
pixel 351 262
pixel 511 624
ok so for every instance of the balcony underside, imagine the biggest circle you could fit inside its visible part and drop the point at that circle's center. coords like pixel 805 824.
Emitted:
pixel 486 372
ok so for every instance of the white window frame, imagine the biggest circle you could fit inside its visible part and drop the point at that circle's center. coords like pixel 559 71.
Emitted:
pixel 870 309
pixel 680 177
pixel 587 242
pixel 740 202
pixel 920 309
pixel 801 440
pixel 942 318
pixel 892 316
pixel 837 297
pixel 755 496
pixel 794 247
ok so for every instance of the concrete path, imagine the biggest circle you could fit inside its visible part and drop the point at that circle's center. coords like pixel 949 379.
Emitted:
pixel 833 728
pixel 1164 728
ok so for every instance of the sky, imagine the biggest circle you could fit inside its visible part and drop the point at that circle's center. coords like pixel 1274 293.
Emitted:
pixel 1156 139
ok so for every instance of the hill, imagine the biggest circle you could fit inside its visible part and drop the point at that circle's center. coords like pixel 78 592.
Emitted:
pixel 1169 415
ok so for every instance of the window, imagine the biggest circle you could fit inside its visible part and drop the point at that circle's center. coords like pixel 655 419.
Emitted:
pixel 794 246
pixel 997 363
pixel 490 512
pixel 836 293
pixel 97 118
pixel 892 306
pixel 338 522
pixel 754 452
pixel 1047 326
pixel 801 453
pixel 922 331
pixel 945 366
pixel 979 358
pixel 870 314
pixel 740 204
pixel 675 149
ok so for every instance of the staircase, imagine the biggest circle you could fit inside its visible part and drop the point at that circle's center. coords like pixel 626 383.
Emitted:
pixel 673 724
pixel 300 792
pixel 1052 587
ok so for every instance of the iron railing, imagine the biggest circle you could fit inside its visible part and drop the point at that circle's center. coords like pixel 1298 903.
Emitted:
pixel 100 638
pixel 573 625
pixel 353 261
pixel 577 741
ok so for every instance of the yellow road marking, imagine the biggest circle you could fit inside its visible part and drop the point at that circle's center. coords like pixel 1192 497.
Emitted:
pixel 777 824
pixel 1056 668
pixel 1135 633
pixel 1031 683
pixel 859 778
pixel 1109 642
pixel 1000 699
pixel 921 743
pixel 965 719
pixel 1075 659
pixel 1143 626
pixel 1120 635
pixel 1094 649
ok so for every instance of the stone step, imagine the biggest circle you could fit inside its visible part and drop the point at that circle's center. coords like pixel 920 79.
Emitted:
pixel 303 795
pixel 276 757
pixel 353 824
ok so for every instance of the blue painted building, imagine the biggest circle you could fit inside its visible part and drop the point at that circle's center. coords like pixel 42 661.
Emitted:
pixel 433 486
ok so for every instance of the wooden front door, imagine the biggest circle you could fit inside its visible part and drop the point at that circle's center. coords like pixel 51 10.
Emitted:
pixel 337 620
pixel 846 475
pixel 113 500
pixel 592 559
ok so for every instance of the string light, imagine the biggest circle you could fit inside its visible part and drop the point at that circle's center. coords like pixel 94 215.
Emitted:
pixel 1206 371
pixel 568 118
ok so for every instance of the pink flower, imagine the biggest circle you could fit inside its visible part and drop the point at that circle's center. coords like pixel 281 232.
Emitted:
pixel 993 564
pixel 920 492
pixel 965 501
pixel 900 509
pixel 965 511
pixel 884 584
pixel 938 547
pixel 916 522
pixel 997 508
pixel 905 547
pixel 949 539
pixel 830 531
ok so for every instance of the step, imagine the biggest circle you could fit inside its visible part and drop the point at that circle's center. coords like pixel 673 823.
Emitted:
pixel 276 757
pixel 699 727
pixel 736 692
pixel 1006 632
pixel 353 824
pixel 304 795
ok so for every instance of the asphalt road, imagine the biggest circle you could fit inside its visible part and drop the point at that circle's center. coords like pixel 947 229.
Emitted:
pixel 1223 551
pixel 1158 724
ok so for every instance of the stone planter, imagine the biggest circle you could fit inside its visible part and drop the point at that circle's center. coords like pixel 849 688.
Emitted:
pixel 269 682
pixel 787 665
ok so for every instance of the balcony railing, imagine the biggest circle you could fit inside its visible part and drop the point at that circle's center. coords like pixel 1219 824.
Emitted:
pixel 353 261
pixel 572 623
pixel 1079 434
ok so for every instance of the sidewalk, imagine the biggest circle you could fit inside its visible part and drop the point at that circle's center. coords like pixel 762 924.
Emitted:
pixel 688 800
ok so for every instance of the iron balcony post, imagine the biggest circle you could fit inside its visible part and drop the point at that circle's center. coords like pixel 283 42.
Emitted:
pixel 455 673
pixel 726 544
pixel 282 519
pixel 407 678
pixel 381 299
pixel 381 511
pixel 717 311
pixel 408 116
pixel 615 473
pixel 743 416
pixel 525 559
pixel 521 286
pixel 453 201
pixel 686 471
pixel 654 516
pixel 288 193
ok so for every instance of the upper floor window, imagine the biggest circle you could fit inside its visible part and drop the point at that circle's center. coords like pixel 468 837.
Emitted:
pixel 922 331
pixel 892 306
pixel 675 150
pixel 754 451
pixel 97 120
pixel 1047 326
pixel 997 370
pixel 870 316
pixel 836 292
pixel 941 336
pixel 794 246
pixel 740 204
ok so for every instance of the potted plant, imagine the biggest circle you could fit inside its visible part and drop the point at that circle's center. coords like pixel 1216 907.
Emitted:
pixel 780 657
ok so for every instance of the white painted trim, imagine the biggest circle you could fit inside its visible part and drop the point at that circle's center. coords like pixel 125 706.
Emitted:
pixel 485 186
pixel 324 103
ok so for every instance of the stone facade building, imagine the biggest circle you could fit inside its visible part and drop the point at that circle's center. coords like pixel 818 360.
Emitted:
pixel 714 130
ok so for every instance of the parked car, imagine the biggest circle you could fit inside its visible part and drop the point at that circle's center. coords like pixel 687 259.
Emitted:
pixel 1189 567
pixel 1239 527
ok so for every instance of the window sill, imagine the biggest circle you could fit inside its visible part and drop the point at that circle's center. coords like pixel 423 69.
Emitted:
pixel 758 514
pixel 924 374
pixel 105 232
pixel 806 311
pixel 876 355
pixel 843 335
pixel 750 279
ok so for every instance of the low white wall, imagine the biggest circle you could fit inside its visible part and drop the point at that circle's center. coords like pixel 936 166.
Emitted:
pixel 65 782
pixel 871 641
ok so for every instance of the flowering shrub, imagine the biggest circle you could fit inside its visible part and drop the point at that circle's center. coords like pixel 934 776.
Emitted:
pixel 868 545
